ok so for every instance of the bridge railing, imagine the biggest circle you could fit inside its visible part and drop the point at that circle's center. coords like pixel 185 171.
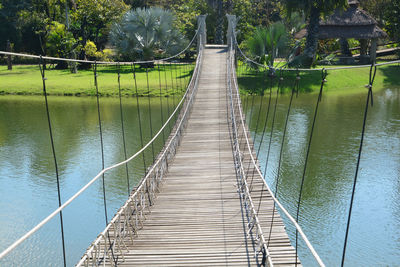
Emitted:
pixel 254 229
pixel 239 130
pixel 110 244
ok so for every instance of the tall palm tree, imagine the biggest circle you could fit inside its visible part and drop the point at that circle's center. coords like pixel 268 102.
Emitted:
pixel 313 10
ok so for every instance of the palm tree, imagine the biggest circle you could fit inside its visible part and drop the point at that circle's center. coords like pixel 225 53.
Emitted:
pixel 269 43
pixel 145 31
pixel 313 10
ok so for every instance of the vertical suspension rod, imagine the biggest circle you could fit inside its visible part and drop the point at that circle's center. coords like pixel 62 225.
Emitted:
pixel 122 125
pixel 42 72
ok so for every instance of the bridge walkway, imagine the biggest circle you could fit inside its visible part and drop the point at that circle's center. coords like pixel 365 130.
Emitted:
pixel 197 218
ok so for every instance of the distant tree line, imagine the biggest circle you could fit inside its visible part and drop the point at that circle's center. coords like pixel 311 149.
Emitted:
pixel 82 27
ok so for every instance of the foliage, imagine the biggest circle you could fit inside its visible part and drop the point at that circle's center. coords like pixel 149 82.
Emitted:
pixel 313 11
pixel 325 7
pixel 60 42
pixel 269 43
pixel 92 53
pixel 392 15
pixel 92 19
pixel 144 32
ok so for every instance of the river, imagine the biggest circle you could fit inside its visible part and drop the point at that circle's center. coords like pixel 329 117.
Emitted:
pixel 28 188
pixel 28 184
pixel 375 226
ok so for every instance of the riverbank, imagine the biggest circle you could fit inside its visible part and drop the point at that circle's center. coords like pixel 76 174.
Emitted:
pixel 347 81
pixel 26 80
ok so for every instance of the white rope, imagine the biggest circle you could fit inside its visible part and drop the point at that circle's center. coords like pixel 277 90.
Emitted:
pixel 197 69
pixel 83 189
pixel 101 62
pixel 317 69
pixel 237 150
pixel 309 245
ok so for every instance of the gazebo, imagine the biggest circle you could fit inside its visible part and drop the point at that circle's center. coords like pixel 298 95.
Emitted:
pixel 351 23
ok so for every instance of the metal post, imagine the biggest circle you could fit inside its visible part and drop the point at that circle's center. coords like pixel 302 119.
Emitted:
pixel 202 35
pixel 231 32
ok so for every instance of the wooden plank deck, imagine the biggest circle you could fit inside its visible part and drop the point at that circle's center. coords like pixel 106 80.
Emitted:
pixel 197 218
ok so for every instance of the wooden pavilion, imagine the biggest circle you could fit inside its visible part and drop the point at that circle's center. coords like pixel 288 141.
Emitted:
pixel 351 23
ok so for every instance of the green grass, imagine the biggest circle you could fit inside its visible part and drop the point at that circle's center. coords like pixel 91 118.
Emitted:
pixel 26 80
pixel 338 81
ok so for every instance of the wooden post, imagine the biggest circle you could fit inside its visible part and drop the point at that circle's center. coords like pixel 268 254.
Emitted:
pixel 372 52
pixel 9 62
pixel 363 51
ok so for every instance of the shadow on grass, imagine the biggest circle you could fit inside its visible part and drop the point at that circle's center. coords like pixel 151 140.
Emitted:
pixel 252 82
pixel 391 75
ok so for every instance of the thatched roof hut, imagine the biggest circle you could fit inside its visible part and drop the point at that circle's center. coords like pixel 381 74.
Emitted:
pixel 350 23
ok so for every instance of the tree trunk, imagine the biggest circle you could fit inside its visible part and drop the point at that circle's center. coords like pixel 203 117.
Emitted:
pixel 344 47
pixel 312 38
pixel 9 61
pixel 219 34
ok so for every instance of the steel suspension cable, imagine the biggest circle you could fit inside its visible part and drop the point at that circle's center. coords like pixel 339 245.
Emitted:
pixel 194 83
pixel 372 73
pixel 122 125
pixel 270 140
pixel 276 201
pixel 161 102
pixel 261 105
pixel 150 115
pixel 172 85
pixel 101 140
pixel 295 89
pixel 323 81
pixel 104 62
pixel 42 72
pixel 133 66
pixel 166 90
pixel 258 120
pixel 251 116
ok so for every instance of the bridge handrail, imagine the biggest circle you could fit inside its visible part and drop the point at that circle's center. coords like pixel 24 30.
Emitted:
pixel 287 214
pixel 243 186
pixel 103 62
pixel 193 83
pixel 77 194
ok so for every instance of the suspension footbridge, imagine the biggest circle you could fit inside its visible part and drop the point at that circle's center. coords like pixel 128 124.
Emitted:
pixel 203 200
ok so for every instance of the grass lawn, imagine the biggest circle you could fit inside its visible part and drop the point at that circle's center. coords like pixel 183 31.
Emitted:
pixel 26 80
pixel 339 81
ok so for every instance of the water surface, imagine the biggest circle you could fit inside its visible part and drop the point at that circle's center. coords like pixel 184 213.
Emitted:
pixel 375 226
pixel 28 189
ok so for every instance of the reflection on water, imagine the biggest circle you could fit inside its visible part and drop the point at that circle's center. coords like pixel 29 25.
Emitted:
pixel 375 227
pixel 27 175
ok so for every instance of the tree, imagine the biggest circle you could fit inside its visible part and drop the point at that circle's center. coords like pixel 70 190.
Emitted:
pixel 313 9
pixel 143 32
pixel 268 43
pixel 92 19
pixel 60 42
pixel 393 19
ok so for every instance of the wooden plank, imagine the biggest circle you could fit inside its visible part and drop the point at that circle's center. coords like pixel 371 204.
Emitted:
pixel 197 218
